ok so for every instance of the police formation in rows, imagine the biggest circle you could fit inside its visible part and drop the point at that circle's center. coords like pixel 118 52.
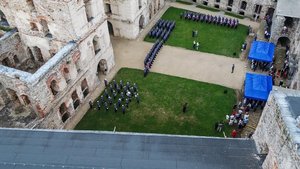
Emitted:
pixel 117 96
pixel 218 20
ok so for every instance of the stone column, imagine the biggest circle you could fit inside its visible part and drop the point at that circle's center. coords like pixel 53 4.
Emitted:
pixel 277 25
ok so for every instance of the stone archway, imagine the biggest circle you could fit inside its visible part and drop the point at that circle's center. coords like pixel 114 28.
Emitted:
pixel 270 12
pixel 141 22
pixel 283 41
pixel 110 28
pixel 102 67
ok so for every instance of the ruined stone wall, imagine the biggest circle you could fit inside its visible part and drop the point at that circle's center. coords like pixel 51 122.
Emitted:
pixel 11 50
pixel 273 135
pixel 129 17
pixel 236 6
pixel 88 69
pixel 292 36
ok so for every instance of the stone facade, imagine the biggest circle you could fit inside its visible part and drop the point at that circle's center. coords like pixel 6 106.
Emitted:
pixel 277 134
pixel 70 42
pixel 290 38
pixel 128 17
pixel 256 9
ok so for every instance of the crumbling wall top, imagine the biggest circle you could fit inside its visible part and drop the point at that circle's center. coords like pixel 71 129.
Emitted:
pixel 281 96
pixel 32 79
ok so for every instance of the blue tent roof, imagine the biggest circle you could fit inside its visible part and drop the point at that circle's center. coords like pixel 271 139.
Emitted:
pixel 262 51
pixel 258 86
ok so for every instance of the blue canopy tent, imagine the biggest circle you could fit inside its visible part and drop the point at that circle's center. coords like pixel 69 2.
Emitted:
pixel 262 51
pixel 258 86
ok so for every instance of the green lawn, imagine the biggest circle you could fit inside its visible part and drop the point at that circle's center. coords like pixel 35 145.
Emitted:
pixel 160 110
pixel 212 38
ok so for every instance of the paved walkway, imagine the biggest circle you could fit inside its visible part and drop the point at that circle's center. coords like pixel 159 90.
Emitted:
pixel 181 62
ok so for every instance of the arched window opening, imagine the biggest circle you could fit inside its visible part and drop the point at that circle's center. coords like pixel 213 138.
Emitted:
pixel 75 99
pixel 140 4
pixel 29 51
pixel 102 67
pixel 25 99
pixel 283 41
pixel 13 96
pixel 244 5
pixel 141 22
pixel 38 54
pixel 66 74
pixel 88 10
pixel 288 22
pixel 45 28
pixel 6 62
pixel 16 59
pixel 230 2
pixel 84 88
pixel 33 26
pixel 110 28
pixel 96 44
pixel 54 87
pixel 63 110
pixel 30 4
pixel 107 9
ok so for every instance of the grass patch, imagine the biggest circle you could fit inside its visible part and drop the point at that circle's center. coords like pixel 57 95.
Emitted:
pixel 6 29
pixel 212 38
pixel 184 2
pixel 160 110
pixel 234 15
pixel 208 8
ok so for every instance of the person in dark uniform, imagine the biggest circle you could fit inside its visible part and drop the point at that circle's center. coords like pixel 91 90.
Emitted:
pixel 123 109
pixel 119 102
pixel 98 105
pixel 115 84
pixel 127 102
pixel 91 104
pixel 122 95
pixel 116 107
pixel 184 108
pixel 106 106
pixel 109 100
pixel 105 82
pixel 137 98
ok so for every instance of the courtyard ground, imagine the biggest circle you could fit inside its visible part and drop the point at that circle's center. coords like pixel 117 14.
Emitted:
pixel 212 38
pixel 195 65
pixel 160 110
pixel 181 62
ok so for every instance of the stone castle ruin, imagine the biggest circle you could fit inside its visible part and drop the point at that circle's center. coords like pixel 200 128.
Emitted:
pixel 57 53
pixel 54 54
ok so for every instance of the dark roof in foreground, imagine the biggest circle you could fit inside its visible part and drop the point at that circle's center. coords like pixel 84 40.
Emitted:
pixel 45 149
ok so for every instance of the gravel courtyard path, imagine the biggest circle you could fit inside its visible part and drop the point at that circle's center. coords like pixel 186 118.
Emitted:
pixel 182 63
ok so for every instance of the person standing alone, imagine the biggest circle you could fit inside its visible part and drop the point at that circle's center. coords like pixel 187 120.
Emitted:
pixel 232 68
pixel 184 107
